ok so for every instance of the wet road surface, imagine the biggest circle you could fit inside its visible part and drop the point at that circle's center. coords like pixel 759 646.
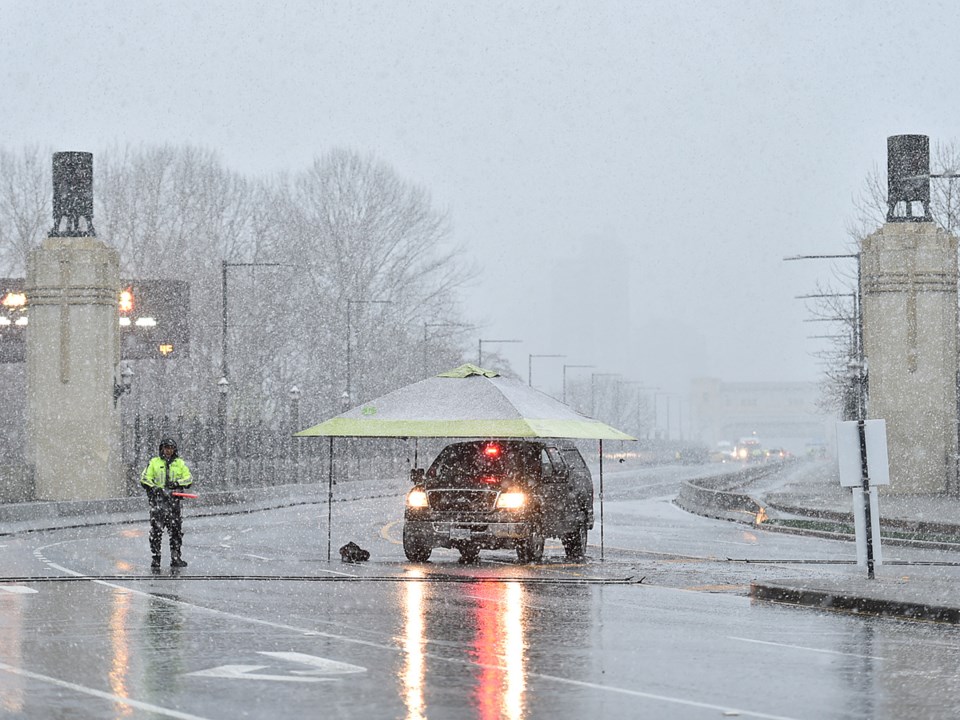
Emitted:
pixel 260 625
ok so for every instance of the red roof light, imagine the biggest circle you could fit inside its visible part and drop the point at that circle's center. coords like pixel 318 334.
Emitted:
pixel 491 450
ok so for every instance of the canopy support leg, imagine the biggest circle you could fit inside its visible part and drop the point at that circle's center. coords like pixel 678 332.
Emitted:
pixel 330 501
pixel 601 501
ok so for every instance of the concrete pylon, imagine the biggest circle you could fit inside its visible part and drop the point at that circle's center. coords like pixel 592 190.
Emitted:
pixel 909 291
pixel 73 348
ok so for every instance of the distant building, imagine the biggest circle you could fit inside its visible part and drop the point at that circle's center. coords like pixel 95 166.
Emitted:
pixel 779 414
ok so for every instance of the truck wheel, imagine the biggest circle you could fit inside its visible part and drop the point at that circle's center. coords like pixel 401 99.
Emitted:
pixel 414 550
pixel 575 543
pixel 530 548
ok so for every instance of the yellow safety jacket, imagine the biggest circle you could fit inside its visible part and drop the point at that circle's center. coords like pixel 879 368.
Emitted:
pixel 159 473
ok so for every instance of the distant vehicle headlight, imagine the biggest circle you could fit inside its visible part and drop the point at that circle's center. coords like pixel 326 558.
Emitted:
pixel 512 500
pixel 417 498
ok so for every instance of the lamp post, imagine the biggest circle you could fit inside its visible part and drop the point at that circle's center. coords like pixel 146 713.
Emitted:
pixel 223 387
pixel 858 321
pixel 565 378
pixel 224 266
pixel 480 348
pixel 655 396
pixel 294 395
pixel 350 303
pixel 593 389
pixel 640 388
pixel 530 366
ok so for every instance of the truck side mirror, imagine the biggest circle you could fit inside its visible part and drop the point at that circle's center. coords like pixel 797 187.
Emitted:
pixel 416 475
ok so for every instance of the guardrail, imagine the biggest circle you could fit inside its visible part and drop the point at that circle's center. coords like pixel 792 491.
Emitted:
pixel 723 497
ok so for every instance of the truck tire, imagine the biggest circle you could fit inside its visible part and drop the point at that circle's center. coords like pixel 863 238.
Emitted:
pixel 530 548
pixel 415 550
pixel 575 543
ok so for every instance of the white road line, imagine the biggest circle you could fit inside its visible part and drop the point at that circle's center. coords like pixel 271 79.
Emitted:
pixel 726 709
pixel 17 589
pixel 801 647
pixel 257 557
pixel 148 707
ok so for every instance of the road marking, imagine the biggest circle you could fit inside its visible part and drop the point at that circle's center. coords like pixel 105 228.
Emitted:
pixel 100 694
pixel 654 696
pixel 320 665
pixel 258 557
pixel 385 532
pixel 17 589
pixel 801 647
pixel 248 672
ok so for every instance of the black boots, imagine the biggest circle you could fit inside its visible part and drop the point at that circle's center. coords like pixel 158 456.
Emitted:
pixel 178 562
pixel 155 563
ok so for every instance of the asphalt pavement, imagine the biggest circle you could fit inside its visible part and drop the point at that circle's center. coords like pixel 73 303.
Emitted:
pixel 806 497
pixel 801 497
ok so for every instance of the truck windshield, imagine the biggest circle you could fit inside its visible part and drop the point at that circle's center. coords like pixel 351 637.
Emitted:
pixel 468 465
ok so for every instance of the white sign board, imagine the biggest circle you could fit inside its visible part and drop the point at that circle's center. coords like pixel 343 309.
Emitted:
pixel 848 453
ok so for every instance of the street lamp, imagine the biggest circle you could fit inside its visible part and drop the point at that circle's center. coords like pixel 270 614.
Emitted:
pixel 655 396
pixel 223 387
pixel 349 390
pixel 593 389
pixel 565 378
pixel 530 366
pixel 640 388
pixel 294 395
pixel 224 266
pixel 480 348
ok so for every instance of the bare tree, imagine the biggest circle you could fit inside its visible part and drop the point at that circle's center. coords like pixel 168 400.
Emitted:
pixel 297 248
pixel 366 243
pixel 25 206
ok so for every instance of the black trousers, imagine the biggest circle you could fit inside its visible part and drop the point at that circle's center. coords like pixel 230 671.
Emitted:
pixel 165 514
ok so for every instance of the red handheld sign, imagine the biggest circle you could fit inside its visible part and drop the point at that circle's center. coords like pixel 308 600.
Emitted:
pixel 183 494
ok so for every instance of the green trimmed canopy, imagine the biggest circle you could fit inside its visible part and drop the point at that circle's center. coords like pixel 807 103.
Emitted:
pixel 466 402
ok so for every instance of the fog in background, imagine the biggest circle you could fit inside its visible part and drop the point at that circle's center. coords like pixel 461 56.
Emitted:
pixel 625 177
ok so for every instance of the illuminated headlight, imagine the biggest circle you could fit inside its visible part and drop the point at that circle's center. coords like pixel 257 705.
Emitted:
pixel 417 498
pixel 511 500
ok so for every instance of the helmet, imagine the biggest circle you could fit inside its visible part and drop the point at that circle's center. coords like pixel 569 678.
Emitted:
pixel 167 442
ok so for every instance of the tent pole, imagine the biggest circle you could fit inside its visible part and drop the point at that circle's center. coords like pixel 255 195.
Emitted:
pixel 601 501
pixel 330 500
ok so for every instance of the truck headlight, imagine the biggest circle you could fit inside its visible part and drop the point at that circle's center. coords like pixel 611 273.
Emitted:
pixel 512 500
pixel 417 498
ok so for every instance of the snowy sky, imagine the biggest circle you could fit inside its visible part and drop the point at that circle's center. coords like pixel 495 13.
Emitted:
pixel 627 175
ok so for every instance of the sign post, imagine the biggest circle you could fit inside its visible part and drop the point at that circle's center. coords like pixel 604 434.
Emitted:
pixel 863 464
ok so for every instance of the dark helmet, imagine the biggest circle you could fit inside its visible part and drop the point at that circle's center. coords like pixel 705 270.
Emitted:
pixel 167 442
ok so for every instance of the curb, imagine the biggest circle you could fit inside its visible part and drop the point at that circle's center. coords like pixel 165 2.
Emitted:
pixel 38 516
pixel 848 602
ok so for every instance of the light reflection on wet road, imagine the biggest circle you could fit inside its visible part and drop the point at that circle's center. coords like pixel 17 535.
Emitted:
pixel 395 640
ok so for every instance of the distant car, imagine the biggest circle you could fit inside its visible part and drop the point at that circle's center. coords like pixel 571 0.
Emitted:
pixel 749 450
pixel 493 494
